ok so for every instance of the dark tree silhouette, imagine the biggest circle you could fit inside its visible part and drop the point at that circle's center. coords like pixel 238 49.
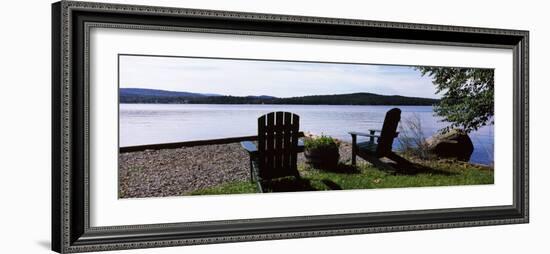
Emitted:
pixel 467 100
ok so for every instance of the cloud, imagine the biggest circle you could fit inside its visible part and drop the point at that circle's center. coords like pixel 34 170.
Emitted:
pixel 276 78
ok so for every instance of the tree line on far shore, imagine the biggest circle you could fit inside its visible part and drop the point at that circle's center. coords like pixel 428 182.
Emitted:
pixel 339 99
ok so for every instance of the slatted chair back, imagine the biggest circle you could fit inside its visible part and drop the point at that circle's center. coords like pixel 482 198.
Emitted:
pixel 389 132
pixel 277 144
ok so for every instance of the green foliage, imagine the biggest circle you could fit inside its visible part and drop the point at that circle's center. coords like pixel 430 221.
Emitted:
pixel 412 140
pixel 467 100
pixel 322 142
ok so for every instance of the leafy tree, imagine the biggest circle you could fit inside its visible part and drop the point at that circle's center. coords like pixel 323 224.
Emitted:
pixel 467 100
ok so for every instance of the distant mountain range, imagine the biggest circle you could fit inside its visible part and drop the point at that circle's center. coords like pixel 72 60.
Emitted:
pixel 142 92
pixel 139 95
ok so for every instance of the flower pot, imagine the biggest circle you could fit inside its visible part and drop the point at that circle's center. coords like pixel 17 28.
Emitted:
pixel 323 158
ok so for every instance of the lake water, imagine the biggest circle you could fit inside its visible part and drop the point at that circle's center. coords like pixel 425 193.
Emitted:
pixel 164 123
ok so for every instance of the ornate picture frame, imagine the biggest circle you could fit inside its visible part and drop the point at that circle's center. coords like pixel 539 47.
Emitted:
pixel 71 228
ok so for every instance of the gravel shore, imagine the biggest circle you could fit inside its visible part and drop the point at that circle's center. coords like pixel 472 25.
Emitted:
pixel 173 172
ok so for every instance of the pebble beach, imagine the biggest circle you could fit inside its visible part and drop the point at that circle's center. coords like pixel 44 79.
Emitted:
pixel 175 172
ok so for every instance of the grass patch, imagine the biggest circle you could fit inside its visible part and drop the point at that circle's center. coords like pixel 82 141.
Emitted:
pixel 365 176
pixel 228 188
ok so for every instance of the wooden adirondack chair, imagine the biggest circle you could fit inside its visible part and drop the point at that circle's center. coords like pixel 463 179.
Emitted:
pixel 378 146
pixel 278 144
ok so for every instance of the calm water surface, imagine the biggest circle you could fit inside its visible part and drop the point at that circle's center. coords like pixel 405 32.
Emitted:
pixel 163 123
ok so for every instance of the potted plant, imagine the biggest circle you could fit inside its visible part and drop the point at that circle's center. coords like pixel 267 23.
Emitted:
pixel 321 152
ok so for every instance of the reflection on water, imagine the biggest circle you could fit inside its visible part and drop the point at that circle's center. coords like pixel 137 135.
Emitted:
pixel 163 123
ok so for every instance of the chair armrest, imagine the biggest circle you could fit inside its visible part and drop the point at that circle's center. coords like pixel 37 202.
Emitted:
pixel 249 146
pixel 375 130
pixel 354 133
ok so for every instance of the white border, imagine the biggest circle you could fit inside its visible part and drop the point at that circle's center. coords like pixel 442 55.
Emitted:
pixel 107 210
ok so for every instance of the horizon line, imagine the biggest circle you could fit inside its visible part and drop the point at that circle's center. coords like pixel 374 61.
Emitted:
pixel 250 95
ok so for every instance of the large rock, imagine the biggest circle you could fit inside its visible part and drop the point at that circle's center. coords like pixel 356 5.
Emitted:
pixel 455 144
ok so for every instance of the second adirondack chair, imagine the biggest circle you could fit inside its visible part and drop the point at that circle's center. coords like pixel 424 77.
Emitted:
pixel 378 145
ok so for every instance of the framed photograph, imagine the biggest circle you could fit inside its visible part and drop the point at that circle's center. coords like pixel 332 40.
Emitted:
pixel 182 126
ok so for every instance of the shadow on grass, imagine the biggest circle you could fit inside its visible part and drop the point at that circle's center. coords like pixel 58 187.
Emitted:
pixel 411 168
pixel 288 184
pixel 331 185
pixel 341 168
pixel 291 184
pixel 404 167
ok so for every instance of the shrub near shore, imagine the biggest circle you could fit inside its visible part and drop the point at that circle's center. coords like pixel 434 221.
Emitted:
pixel 321 152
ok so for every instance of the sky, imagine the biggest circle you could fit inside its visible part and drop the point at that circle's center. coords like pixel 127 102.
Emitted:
pixel 238 77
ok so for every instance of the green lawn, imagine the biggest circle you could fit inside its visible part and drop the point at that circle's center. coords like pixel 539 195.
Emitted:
pixel 365 176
